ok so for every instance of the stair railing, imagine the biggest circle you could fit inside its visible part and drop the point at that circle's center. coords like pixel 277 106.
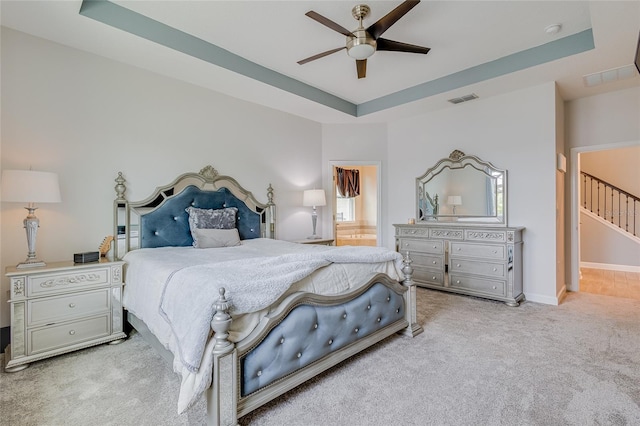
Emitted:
pixel 611 203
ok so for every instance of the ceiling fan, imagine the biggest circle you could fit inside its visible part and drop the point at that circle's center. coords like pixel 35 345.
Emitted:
pixel 361 42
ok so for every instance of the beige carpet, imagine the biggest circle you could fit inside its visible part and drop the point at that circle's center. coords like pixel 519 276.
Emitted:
pixel 477 363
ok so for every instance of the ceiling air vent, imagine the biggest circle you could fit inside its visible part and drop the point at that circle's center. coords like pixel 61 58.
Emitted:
pixel 464 98
pixel 608 76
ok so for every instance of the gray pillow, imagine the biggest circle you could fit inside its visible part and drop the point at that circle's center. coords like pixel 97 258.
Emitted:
pixel 210 238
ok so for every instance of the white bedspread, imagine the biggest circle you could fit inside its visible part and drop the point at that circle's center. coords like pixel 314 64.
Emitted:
pixel 151 273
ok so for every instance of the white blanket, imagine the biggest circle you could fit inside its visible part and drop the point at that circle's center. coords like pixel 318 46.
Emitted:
pixel 190 293
pixel 148 270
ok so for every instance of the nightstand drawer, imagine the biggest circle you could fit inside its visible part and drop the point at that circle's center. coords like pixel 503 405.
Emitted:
pixel 56 309
pixel 477 285
pixel 41 285
pixel 478 250
pixel 58 336
pixel 492 270
pixel 435 247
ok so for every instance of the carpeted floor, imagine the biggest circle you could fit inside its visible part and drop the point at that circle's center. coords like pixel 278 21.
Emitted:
pixel 477 363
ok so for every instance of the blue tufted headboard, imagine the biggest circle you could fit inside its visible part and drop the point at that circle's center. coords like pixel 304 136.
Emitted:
pixel 161 220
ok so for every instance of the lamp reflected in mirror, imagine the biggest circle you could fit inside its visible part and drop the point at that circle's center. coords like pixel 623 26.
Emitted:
pixel 454 201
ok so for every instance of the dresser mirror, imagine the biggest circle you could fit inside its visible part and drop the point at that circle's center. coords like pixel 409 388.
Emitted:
pixel 462 188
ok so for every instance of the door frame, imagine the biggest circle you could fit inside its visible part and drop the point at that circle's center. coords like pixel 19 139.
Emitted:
pixel 574 284
pixel 330 184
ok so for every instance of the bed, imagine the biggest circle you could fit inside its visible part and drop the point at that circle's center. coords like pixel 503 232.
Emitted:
pixel 197 251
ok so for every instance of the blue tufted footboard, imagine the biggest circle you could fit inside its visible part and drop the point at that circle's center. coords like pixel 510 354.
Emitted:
pixel 310 332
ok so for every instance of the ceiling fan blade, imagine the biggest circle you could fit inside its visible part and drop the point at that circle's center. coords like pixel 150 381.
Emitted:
pixel 328 23
pixel 320 55
pixel 361 67
pixel 398 46
pixel 391 18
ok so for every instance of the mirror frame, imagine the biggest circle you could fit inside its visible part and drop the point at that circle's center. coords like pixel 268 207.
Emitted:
pixel 458 160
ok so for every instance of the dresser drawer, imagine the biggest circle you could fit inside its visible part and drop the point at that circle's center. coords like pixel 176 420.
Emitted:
pixel 479 285
pixel 41 285
pixel 425 275
pixel 58 336
pixel 428 246
pixel 70 306
pixel 427 261
pixel 484 251
pixel 493 270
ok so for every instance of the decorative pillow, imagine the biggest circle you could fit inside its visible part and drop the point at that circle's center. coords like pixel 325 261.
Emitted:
pixel 212 218
pixel 210 238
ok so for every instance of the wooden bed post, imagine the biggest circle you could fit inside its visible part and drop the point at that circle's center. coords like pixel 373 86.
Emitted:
pixel 410 299
pixel 222 396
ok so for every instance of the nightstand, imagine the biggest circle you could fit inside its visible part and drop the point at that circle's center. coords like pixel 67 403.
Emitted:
pixel 319 241
pixel 62 307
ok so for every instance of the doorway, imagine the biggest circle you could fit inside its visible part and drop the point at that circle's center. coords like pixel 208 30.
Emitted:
pixel 356 218
pixel 577 260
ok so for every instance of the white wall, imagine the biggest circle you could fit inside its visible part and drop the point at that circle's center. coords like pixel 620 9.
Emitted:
pixel 86 118
pixel 515 131
pixel 606 244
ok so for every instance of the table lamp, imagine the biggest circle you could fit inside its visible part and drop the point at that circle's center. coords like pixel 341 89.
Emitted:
pixel 314 198
pixel 454 200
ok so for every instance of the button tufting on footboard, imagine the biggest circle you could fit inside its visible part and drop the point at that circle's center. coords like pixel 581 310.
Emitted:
pixel 334 328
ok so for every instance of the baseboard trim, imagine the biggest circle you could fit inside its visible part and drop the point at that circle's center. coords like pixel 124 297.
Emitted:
pixel 540 298
pixel 5 336
pixel 610 267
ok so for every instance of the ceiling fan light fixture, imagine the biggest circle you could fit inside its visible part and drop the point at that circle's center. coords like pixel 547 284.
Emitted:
pixel 361 46
pixel 361 51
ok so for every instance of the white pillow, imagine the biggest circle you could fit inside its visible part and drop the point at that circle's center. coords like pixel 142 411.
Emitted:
pixel 209 238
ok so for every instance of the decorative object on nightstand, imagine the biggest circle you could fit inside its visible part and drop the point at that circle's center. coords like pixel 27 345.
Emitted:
pixel 314 198
pixel 29 186
pixel 61 308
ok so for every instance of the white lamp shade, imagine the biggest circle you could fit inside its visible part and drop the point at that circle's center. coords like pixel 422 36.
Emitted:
pixel 313 197
pixel 29 186
pixel 454 200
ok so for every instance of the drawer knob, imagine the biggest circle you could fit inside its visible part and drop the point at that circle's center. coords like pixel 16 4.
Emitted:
pixel 72 332
pixel 457 281
pixel 434 262
pixel 494 287
pixel 458 249
pixel 457 265
pixel 72 305
pixel 495 269
pixel 495 252
pixel 435 246
pixel 433 278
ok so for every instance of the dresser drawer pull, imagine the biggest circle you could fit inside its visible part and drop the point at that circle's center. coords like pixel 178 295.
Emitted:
pixel 434 262
pixel 72 332
pixel 72 305
pixel 457 281
pixel 494 287
pixel 457 265
pixel 495 269
pixel 459 248
pixel 433 278
pixel 435 247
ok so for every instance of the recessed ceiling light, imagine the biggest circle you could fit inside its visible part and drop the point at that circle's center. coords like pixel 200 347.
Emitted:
pixel 553 29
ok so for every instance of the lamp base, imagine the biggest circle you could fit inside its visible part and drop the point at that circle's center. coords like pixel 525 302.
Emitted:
pixel 313 237
pixel 30 263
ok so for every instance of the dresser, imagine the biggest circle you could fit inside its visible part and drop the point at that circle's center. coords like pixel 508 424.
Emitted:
pixel 476 261
pixel 62 307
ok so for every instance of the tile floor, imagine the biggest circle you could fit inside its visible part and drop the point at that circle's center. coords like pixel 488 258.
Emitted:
pixel 610 283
